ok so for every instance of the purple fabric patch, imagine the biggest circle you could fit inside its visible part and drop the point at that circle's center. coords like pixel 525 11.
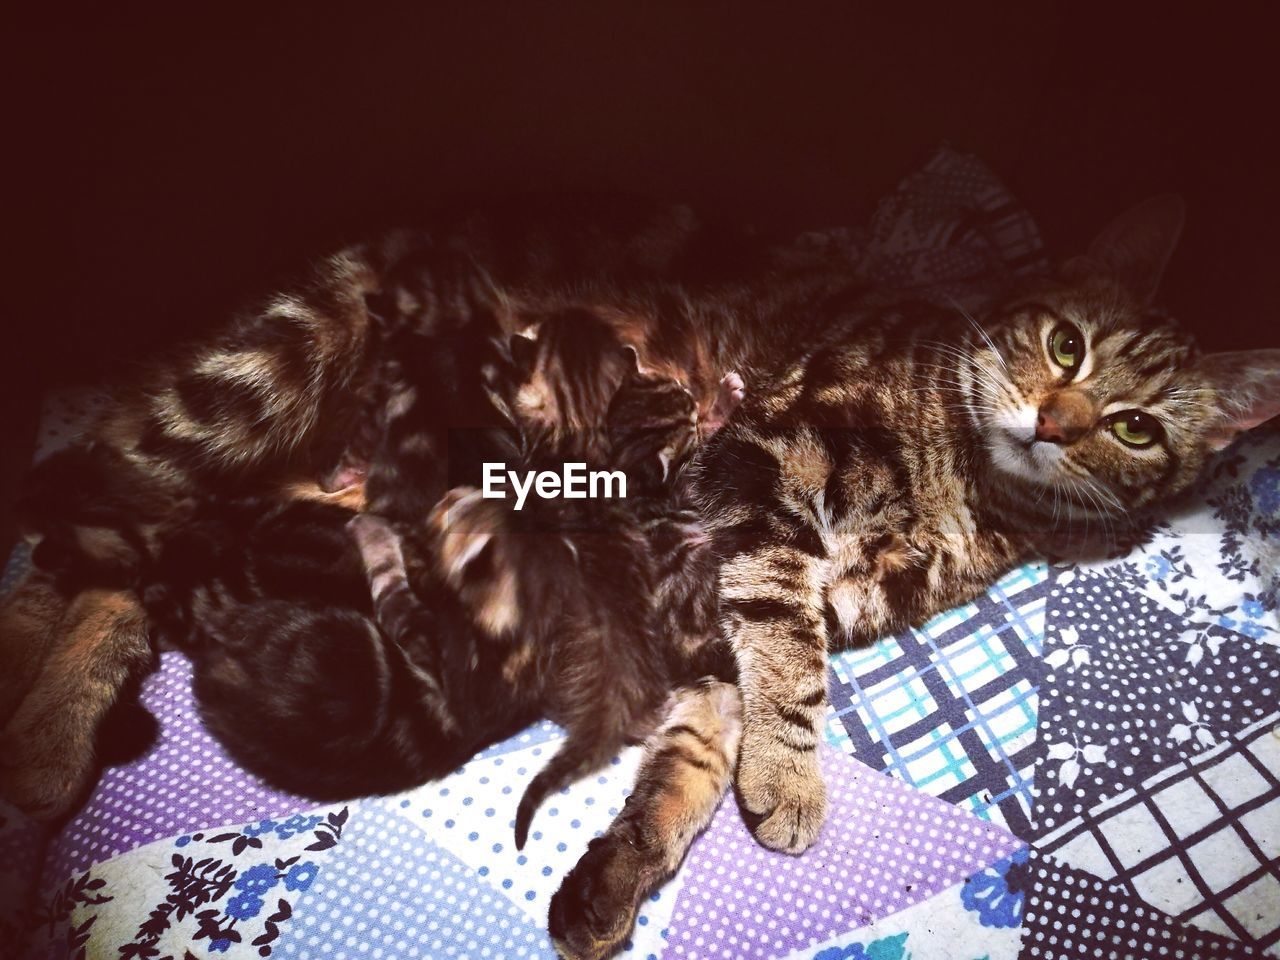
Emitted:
pixel 885 847
pixel 186 782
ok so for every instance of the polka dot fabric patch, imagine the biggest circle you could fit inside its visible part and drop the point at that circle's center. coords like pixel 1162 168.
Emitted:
pixel 885 847
pixel 1200 841
pixel 1070 913
pixel 393 894
pixel 472 814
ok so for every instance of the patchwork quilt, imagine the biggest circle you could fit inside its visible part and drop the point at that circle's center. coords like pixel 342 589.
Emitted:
pixel 1085 762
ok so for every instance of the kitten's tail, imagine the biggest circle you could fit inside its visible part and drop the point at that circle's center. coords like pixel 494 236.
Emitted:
pixel 576 758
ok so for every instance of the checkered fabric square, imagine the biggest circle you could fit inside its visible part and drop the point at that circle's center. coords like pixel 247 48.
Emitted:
pixel 951 708
pixel 1200 841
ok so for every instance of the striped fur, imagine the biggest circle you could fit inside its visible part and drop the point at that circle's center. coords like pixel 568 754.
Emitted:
pixel 891 471
pixel 905 461
pixel 562 603
pixel 320 681
pixel 688 765
pixel 570 586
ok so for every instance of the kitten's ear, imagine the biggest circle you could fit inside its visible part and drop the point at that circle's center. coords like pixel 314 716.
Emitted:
pixel 1136 246
pixel 1248 386
pixel 524 350
pixel 631 357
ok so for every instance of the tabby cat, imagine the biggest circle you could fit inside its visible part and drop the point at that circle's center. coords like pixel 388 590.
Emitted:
pixel 292 674
pixel 904 461
pixel 891 460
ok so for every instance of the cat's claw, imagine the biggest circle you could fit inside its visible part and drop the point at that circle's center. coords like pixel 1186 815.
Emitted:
pixel 781 793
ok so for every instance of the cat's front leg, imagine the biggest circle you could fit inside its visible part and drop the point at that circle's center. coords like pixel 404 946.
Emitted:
pixel 762 494
pixel 686 771
pixel 779 636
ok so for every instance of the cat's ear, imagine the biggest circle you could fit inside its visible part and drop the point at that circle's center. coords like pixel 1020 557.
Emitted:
pixel 1135 247
pixel 1248 387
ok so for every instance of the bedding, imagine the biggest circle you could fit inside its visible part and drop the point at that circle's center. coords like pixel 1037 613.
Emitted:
pixel 1084 762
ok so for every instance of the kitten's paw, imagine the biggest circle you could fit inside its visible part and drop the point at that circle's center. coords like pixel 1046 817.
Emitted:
pixel 781 793
pixel 595 908
pixel 729 397
pixel 732 390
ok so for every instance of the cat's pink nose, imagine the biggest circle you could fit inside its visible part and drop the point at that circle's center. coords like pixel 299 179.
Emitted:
pixel 1048 429
pixel 1065 416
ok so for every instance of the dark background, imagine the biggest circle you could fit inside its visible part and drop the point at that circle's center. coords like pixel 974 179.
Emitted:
pixel 159 166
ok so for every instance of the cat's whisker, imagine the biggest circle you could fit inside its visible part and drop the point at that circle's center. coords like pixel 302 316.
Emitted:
pixel 981 332
pixel 977 375
pixel 1092 509
pixel 1111 519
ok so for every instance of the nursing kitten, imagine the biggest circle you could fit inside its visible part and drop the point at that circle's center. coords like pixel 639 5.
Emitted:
pixel 287 389
pixel 291 673
pixel 574 586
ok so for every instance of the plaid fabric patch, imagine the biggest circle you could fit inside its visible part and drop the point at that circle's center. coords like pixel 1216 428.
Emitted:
pixel 951 708
pixel 1201 841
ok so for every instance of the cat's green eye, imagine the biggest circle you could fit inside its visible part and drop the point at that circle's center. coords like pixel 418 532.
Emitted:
pixel 1066 346
pixel 1135 428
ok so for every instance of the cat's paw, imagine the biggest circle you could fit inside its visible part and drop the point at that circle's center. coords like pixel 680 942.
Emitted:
pixel 781 793
pixel 45 782
pixel 595 908
pixel 729 397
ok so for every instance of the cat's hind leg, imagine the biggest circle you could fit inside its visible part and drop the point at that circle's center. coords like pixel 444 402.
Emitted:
pixel 48 748
pixel 29 617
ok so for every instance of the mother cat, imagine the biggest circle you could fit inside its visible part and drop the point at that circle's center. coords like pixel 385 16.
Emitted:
pixel 891 461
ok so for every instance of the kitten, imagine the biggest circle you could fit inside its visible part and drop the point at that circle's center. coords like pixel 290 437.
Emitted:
pixel 291 672
pixel 573 585
pixel 286 389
